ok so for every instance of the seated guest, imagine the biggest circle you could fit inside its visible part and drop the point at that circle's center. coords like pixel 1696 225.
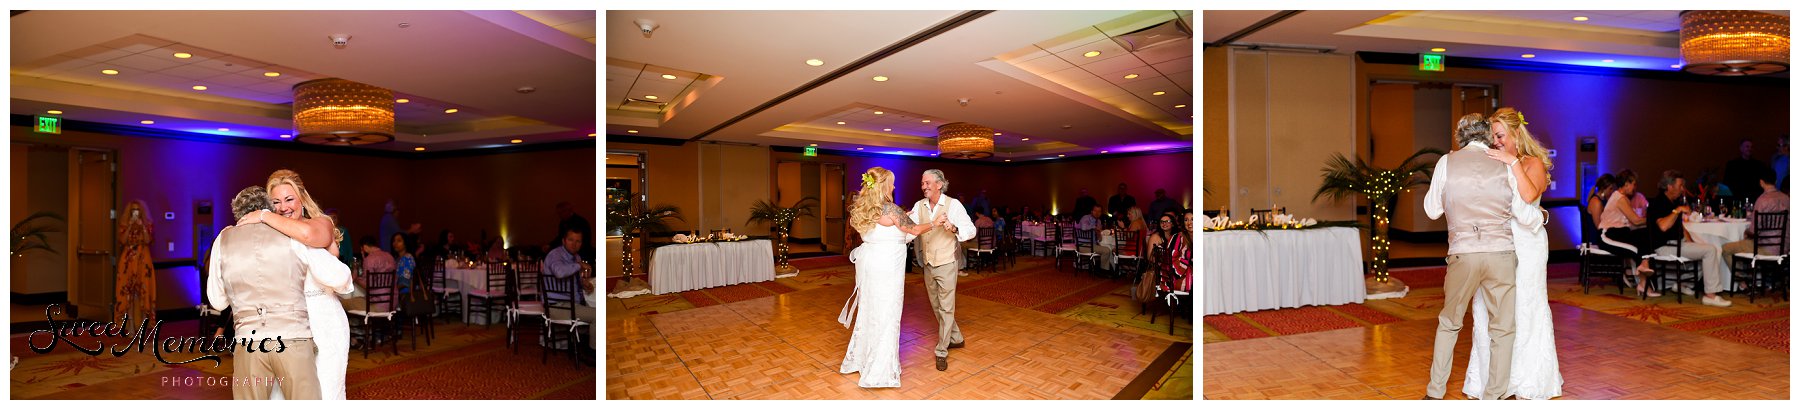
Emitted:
pixel 563 262
pixel 1618 229
pixel 1160 234
pixel 447 245
pixel 983 221
pixel 374 259
pixel 1665 218
pixel 1135 220
pixel 1181 255
pixel 1603 189
pixel 1772 201
pixel 1091 221
pixel 404 264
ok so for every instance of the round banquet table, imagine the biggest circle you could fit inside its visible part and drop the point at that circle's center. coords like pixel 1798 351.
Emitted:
pixel 466 279
pixel 677 268
pixel 1718 233
pixel 1248 270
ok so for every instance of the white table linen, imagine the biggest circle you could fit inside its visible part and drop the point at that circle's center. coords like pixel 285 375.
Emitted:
pixel 1718 233
pixel 1248 271
pixel 678 268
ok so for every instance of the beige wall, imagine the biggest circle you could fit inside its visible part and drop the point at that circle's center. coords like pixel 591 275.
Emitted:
pixel 732 177
pixel 1288 114
pixel 1216 129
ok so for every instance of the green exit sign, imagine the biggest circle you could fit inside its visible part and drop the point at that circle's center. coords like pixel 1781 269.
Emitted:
pixel 1431 62
pixel 812 151
pixel 48 125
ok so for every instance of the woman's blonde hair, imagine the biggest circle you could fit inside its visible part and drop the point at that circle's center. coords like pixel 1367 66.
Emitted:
pixel 1515 127
pixel 877 191
pixel 308 208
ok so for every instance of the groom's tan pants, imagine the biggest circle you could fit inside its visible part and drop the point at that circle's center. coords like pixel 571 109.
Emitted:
pixel 940 287
pixel 1491 275
pixel 254 374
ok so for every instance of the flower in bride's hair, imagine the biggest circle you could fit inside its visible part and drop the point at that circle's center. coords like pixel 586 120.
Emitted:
pixel 868 180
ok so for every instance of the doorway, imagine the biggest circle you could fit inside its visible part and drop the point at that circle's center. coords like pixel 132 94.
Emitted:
pixel 824 182
pixel 68 196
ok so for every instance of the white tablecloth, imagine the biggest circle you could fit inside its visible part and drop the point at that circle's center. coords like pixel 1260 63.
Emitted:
pixel 1718 234
pixel 467 279
pixel 1247 271
pixel 677 268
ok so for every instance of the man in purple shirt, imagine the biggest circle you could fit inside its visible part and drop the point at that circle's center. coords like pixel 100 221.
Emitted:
pixel 562 262
pixel 1772 201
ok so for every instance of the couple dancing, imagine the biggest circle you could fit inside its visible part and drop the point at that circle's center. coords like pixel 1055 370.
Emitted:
pixel 1489 189
pixel 279 273
pixel 874 348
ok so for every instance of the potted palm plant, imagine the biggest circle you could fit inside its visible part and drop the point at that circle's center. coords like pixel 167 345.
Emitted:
pixel 782 222
pixel 631 224
pixel 1344 178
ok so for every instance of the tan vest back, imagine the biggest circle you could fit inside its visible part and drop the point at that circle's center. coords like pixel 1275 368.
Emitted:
pixel 265 282
pixel 1477 203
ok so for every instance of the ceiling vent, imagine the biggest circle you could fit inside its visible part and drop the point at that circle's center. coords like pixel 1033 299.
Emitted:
pixel 641 105
pixel 1148 37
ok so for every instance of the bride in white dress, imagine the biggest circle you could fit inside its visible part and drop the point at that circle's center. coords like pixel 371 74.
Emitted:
pixel 1535 373
pixel 874 348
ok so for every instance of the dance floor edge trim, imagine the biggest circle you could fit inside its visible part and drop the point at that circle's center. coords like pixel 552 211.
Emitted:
pixel 1147 379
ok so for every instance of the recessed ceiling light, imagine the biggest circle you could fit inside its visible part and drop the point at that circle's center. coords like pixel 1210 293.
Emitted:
pixel 1438 49
pixel 880 78
pixel 1581 18
pixel 887 129
pixel 1059 155
pixel 224 129
pixel 284 136
pixel 812 145
pixel 517 141
pixel 183 55
pixel 840 123
pixel 924 120
pixel 1130 76
pixel 1025 139
pixel 859 148
pixel 54 112
pixel 668 76
pixel 996 134
pixel 1103 151
pixel 593 134
pixel 1180 105
pixel 879 113
pixel 1674 65
pixel 649 97
pixel 815 62
pixel 109 71
pixel 1009 160
pixel 450 111
pixel 1606 60
pixel 631 131
pixel 271 74
pixel 1158 93
pixel 402 101
pixel 418 148
pixel 1090 54
pixel 1528 56
pixel 146 122
pixel 199 88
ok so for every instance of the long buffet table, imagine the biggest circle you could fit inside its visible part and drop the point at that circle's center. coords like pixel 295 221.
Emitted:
pixel 1248 270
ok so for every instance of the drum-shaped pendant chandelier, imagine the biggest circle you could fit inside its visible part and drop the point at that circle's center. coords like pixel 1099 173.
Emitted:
pixel 1733 42
pixel 341 112
pixel 963 140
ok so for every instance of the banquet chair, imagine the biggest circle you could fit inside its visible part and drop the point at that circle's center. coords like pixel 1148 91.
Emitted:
pixel 416 307
pixel 1065 243
pixel 527 268
pixel 1085 241
pixel 564 308
pixel 526 304
pixel 440 287
pixel 1045 246
pixel 1674 269
pixel 1760 271
pixel 1021 241
pixel 982 255
pixel 1128 251
pixel 489 299
pixel 378 310
pixel 1598 262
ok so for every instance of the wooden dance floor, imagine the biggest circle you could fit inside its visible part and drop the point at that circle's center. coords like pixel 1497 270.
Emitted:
pixel 789 346
pixel 1602 357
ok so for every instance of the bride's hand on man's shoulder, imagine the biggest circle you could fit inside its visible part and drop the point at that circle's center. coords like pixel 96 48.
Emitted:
pixel 1499 155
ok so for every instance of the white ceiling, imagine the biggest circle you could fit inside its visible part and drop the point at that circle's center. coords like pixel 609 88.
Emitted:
pixel 1631 39
pixel 747 58
pixel 472 61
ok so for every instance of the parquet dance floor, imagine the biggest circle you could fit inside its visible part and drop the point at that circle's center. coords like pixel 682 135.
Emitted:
pixel 1602 357
pixel 789 346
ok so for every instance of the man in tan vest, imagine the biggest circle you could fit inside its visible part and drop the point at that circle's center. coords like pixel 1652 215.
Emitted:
pixel 1471 191
pixel 938 250
pixel 261 274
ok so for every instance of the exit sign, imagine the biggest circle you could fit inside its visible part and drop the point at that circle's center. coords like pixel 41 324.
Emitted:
pixel 48 125
pixel 1431 62
pixel 812 151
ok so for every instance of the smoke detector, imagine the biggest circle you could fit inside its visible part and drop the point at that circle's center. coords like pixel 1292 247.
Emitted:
pixel 1160 34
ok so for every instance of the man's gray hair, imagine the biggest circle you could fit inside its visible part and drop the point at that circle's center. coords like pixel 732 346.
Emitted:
pixel 251 199
pixel 940 177
pixel 1473 128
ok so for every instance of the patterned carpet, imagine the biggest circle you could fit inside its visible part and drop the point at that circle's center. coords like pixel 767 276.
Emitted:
pixel 1763 324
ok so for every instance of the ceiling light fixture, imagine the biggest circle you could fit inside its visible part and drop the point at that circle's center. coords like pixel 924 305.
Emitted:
pixel 146 122
pixel 840 123
pixel 880 78
pixel 650 97
pixel 1180 105
pixel 1158 93
pixel 199 88
pixel 1606 60
pixel 887 129
pixel 593 134
pixel 1438 49
pixel 451 111
pixel 924 120
pixel 963 140
pixel 1091 54
pixel 402 101
pixel 1059 155
pixel 879 113
pixel 1025 139
pixel 1581 18
pixel 286 136
pixel 109 71
pixel 418 148
pixel 1009 160
pixel 668 76
pixel 1130 76
pixel 1104 151
pixel 815 62
pixel 335 111
pixel 271 74
pixel 183 55
pixel 224 130
pixel 859 148
pixel 631 131
pixel 54 112
pixel 996 134
pixel 517 141
pixel 1674 65
pixel 812 145
pixel 1528 55
pixel 1733 42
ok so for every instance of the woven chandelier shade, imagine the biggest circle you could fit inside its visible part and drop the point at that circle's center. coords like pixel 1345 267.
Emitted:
pixel 1733 42
pixel 963 140
pixel 341 112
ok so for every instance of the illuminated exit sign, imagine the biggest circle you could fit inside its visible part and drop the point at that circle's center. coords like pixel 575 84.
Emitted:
pixel 1431 62
pixel 48 125
pixel 812 151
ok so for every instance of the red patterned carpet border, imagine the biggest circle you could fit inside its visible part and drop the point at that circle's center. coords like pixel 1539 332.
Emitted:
pixel 1078 298
pixel 1420 278
pixel 1032 289
pixel 414 363
pixel 737 293
pixel 776 287
pixel 1715 323
pixel 1301 320
pixel 698 298
pixel 819 262
pixel 1359 311
pixel 493 375
pixel 1771 335
pixel 1234 327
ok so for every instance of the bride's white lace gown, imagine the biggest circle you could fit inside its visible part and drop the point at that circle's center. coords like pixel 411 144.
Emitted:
pixel 874 348
pixel 1535 373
